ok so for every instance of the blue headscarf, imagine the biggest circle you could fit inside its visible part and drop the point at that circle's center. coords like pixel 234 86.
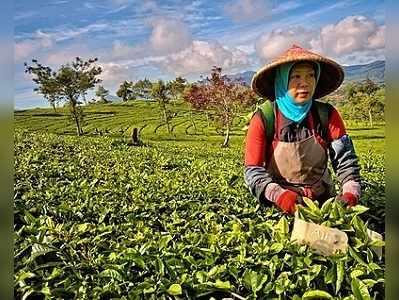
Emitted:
pixel 285 102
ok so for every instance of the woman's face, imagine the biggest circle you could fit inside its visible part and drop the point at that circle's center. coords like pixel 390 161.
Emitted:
pixel 302 82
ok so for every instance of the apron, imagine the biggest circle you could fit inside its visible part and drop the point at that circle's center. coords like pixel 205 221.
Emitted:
pixel 295 165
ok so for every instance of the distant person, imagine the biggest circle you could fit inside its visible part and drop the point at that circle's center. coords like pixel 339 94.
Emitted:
pixel 291 136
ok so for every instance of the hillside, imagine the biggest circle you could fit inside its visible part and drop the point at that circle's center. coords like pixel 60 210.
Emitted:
pixel 118 119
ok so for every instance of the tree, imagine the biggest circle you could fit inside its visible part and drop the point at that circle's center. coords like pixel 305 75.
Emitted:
pixel 364 100
pixel 125 91
pixel 102 93
pixel 176 87
pixel 142 88
pixel 161 94
pixel 226 99
pixel 68 84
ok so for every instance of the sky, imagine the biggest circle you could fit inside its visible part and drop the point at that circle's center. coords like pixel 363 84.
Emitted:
pixel 136 39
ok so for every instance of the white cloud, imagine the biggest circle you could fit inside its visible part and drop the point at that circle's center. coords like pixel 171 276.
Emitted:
pixel 65 34
pixel 201 56
pixel 244 10
pixel 358 34
pixel 113 74
pixel 286 6
pixel 169 36
pixel 377 40
pixel 272 44
pixel 354 33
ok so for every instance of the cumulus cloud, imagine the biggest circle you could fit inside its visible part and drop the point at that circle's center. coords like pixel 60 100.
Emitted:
pixel 169 35
pixel 113 74
pixel 200 56
pixel 354 34
pixel 244 10
pixel 272 44
pixel 120 51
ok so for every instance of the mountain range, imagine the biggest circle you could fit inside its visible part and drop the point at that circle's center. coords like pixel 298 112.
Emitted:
pixel 374 71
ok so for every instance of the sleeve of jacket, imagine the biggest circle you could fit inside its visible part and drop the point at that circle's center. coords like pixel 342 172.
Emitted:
pixel 255 174
pixel 341 150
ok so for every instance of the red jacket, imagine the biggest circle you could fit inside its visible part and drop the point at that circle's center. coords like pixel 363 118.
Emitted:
pixel 337 143
pixel 256 145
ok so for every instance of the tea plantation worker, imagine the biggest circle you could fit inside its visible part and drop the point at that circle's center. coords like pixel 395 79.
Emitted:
pixel 291 137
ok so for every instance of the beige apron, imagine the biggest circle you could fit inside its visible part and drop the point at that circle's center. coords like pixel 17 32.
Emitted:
pixel 302 164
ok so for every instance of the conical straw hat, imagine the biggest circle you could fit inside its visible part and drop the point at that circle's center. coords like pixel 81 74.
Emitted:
pixel 331 73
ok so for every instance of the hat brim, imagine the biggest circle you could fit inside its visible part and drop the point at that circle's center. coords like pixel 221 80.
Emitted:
pixel 331 76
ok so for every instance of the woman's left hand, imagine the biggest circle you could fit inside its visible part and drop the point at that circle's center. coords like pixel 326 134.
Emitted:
pixel 349 199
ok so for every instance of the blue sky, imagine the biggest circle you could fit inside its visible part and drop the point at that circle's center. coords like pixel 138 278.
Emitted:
pixel 164 39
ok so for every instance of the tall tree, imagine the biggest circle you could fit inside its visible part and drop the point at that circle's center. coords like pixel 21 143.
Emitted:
pixel 365 101
pixel 125 91
pixel 142 88
pixel 176 87
pixel 68 84
pixel 161 94
pixel 226 99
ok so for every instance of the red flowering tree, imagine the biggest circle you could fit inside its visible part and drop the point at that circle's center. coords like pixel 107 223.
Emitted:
pixel 221 96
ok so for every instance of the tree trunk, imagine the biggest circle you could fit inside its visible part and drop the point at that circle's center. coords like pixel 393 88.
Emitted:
pixel 166 119
pixel 75 117
pixel 227 137
pixel 54 108
pixel 370 118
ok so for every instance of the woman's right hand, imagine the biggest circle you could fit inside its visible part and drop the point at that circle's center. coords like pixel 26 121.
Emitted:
pixel 283 198
pixel 287 201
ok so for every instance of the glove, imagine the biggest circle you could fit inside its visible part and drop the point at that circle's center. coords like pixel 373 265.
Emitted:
pixel 287 200
pixel 349 199
pixel 308 193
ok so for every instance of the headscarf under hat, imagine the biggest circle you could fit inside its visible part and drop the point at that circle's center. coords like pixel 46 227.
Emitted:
pixel 285 102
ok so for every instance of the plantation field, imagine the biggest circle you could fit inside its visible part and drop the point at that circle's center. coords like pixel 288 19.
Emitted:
pixel 117 120
pixel 95 218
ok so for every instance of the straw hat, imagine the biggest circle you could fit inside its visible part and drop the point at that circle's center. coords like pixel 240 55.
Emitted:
pixel 331 73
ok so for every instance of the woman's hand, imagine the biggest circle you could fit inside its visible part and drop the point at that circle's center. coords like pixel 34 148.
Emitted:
pixel 348 198
pixel 287 201
pixel 350 193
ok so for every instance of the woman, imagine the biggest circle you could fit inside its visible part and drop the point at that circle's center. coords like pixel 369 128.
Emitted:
pixel 293 163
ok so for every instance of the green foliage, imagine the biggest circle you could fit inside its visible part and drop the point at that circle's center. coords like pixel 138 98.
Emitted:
pixel 125 91
pixel 94 218
pixel 68 84
pixel 142 88
pixel 177 86
pixel 363 101
pixel 102 93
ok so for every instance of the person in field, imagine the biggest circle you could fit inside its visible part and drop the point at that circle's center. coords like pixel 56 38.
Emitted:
pixel 291 135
